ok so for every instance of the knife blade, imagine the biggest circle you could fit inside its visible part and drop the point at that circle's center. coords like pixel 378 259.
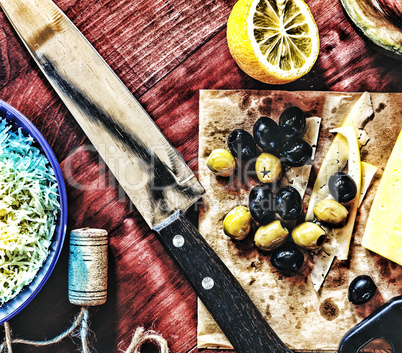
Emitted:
pixel 151 172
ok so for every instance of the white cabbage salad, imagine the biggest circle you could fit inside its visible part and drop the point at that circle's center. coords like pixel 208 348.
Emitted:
pixel 29 203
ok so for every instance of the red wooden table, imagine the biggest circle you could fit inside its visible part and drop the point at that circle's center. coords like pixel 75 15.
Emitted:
pixel 164 51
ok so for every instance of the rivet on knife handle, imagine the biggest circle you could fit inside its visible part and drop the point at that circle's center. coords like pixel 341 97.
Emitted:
pixel 151 172
pixel 221 293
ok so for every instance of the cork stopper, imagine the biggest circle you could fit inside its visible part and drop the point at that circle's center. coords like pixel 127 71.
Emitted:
pixel 87 267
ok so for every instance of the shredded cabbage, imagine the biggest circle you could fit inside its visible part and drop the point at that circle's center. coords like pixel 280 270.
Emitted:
pixel 29 203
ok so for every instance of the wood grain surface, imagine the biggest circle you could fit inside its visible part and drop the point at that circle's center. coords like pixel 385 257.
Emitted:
pixel 164 51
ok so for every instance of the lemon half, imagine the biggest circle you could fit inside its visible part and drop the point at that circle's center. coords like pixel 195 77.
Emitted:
pixel 273 41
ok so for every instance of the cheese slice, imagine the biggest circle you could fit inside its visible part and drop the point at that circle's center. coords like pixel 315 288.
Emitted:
pixel 335 160
pixel 339 238
pixel 313 125
pixel 344 235
pixel 368 172
pixel 338 153
pixel 383 233
pixel 322 263
pixel 324 258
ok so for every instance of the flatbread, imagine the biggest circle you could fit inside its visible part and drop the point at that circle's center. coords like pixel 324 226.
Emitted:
pixel 302 318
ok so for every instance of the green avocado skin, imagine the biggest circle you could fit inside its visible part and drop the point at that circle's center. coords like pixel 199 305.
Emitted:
pixel 392 49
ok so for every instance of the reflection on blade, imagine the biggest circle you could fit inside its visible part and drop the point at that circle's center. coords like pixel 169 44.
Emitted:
pixel 148 168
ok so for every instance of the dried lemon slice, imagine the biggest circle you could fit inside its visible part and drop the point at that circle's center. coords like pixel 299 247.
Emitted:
pixel 273 41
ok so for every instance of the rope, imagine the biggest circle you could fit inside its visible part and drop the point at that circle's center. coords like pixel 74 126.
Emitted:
pixel 8 337
pixel 140 336
pixel 84 332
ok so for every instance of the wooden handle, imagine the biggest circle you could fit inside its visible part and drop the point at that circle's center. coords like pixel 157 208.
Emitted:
pixel 221 293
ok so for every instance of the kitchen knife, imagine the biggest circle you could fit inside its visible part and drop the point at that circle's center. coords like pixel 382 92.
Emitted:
pixel 154 177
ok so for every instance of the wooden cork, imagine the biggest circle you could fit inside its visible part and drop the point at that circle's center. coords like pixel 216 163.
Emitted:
pixel 87 267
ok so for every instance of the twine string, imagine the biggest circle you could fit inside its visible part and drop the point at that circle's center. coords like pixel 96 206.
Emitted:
pixel 8 336
pixel 140 336
pixel 84 332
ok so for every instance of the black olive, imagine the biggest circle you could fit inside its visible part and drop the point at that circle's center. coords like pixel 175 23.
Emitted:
pixel 292 122
pixel 266 134
pixel 262 204
pixel 287 259
pixel 296 152
pixel 342 187
pixel 241 145
pixel 288 203
pixel 361 290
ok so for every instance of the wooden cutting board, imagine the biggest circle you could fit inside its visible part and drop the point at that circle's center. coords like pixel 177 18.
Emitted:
pixel 303 318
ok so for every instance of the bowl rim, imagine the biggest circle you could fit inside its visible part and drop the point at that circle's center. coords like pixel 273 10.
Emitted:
pixel 26 295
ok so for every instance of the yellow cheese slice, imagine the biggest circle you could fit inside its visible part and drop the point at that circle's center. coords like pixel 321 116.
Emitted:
pixel 361 111
pixel 343 235
pixel 322 263
pixel 324 258
pixel 335 160
pixel 338 153
pixel 368 172
pixel 383 233
pixel 313 125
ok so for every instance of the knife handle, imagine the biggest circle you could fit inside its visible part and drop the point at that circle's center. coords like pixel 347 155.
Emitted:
pixel 221 293
pixel 384 323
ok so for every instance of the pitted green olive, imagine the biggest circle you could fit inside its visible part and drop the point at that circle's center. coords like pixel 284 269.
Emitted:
pixel 221 162
pixel 268 168
pixel 308 235
pixel 270 236
pixel 331 212
pixel 237 223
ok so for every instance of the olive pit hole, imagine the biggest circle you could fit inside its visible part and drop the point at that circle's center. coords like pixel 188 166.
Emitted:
pixel 320 240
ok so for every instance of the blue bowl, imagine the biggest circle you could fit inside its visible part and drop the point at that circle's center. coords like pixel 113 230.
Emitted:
pixel 15 305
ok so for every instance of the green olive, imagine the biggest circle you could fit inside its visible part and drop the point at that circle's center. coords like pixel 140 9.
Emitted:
pixel 237 223
pixel 221 162
pixel 331 212
pixel 270 236
pixel 308 235
pixel 268 168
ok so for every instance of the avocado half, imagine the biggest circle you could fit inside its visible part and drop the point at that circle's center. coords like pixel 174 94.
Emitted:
pixel 375 26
